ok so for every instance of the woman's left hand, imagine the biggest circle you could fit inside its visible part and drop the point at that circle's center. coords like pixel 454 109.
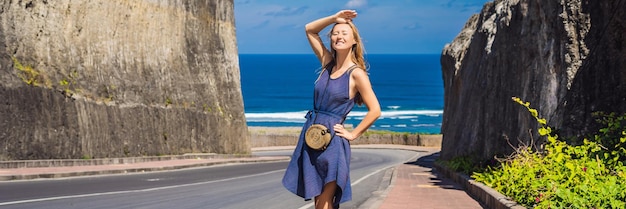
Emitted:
pixel 341 131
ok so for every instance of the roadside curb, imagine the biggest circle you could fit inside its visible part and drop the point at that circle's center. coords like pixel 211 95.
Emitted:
pixel 111 161
pixel 486 195
pixel 164 165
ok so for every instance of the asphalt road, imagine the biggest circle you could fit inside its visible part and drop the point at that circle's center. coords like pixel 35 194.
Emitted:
pixel 244 186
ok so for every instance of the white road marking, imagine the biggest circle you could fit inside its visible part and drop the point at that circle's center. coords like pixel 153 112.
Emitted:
pixel 133 191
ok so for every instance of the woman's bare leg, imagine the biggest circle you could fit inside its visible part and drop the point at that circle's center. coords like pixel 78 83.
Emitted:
pixel 326 199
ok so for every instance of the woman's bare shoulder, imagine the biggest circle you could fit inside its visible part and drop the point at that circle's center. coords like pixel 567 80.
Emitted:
pixel 359 73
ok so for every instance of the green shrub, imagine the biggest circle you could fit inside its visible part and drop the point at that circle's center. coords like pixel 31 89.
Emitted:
pixel 562 175
pixel 463 164
pixel 612 137
pixel 30 75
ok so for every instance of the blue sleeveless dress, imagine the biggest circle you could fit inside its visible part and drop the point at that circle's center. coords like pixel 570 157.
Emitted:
pixel 309 170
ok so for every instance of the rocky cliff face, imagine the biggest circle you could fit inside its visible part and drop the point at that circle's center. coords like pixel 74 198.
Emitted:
pixel 114 78
pixel 567 58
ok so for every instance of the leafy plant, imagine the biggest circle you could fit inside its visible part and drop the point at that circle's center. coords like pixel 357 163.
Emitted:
pixel 29 75
pixel 69 84
pixel 612 137
pixel 168 101
pixel 562 175
pixel 64 82
pixel 66 88
pixel 463 164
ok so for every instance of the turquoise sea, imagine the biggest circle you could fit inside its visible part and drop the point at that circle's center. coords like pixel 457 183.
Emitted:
pixel 278 90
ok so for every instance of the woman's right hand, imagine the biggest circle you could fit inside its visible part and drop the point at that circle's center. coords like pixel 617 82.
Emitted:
pixel 345 16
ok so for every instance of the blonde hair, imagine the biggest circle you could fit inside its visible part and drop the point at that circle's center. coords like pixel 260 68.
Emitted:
pixel 358 55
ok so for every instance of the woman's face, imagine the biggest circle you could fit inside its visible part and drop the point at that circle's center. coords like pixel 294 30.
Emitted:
pixel 342 37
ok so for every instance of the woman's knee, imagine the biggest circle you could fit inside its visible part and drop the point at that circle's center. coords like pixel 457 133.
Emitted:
pixel 326 198
pixel 330 188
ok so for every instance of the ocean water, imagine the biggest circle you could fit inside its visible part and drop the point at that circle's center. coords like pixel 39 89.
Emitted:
pixel 278 90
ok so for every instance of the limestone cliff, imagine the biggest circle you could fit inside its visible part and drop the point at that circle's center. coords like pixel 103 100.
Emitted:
pixel 567 58
pixel 115 78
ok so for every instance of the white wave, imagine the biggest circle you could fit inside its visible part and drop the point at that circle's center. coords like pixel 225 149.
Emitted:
pixel 403 117
pixel 423 125
pixel 393 107
pixel 401 113
pixel 354 118
pixel 289 117
pixel 298 116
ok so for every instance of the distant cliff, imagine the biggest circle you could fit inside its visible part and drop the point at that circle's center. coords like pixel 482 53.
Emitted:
pixel 115 78
pixel 567 58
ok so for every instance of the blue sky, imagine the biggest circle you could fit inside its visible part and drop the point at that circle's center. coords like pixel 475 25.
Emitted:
pixel 387 27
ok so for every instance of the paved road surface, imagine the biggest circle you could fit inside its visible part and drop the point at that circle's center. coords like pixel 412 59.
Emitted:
pixel 228 186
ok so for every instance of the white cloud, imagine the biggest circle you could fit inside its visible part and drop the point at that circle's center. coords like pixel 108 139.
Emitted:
pixel 288 11
pixel 356 3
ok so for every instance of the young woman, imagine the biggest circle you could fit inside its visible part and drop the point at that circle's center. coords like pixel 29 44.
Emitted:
pixel 343 81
